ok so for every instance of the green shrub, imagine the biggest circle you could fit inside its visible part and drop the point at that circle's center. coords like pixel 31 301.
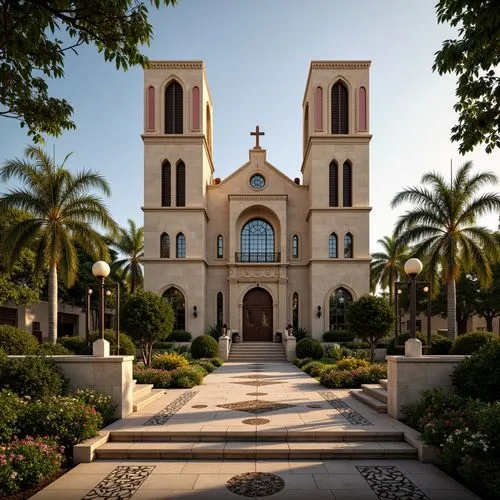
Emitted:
pixel 188 376
pixel 440 345
pixel 11 405
pixel 76 345
pixel 168 360
pixel 469 343
pixel 161 379
pixel 215 331
pixel 204 346
pixel 101 402
pixel 300 362
pixel 309 348
pixel 478 377
pixel 215 361
pixel 351 363
pixel 205 364
pixel 337 352
pixel 299 333
pixel 483 475
pixel 338 379
pixel 357 345
pixel 27 463
pixel 391 348
pixel 313 368
pixel 53 350
pixel 33 376
pixel 127 346
pixel 16 341
pixel 180 336
pixel 338 336
pixel 65 417
pixel 369 374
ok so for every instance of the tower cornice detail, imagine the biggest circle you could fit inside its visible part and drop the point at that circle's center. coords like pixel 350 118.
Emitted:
pixel 340 64
pixel 175 65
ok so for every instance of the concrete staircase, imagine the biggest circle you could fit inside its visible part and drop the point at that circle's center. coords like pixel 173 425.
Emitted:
pixel 373 395
pixel 251 445
pixel 144 394
pixel 257 351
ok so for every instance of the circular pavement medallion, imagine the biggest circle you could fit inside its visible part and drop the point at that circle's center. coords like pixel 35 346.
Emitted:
pixel 256 421
pixel 255 484
pixel 199 406
pixel 256 393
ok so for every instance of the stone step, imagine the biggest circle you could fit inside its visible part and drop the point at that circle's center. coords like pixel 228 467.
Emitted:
pixel 362 396
pixel 375 391
pixel 146 399
pixel 141 390
pixel 251 435
pixel 251 450
pixel 383 382
pixel 250 359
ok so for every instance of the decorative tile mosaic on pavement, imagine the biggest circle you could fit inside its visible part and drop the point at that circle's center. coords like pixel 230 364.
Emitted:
pixel 352 416
pixel 171 409
pixel 255 406
pixel 255 484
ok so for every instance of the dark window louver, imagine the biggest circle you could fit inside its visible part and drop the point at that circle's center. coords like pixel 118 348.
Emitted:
pixel 180 191
pixel 347 181
pixel 174 109
pixel 166 172
pixel 339 106
pixel 333 185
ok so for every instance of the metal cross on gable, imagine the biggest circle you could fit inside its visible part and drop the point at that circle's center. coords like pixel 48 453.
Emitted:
pixel 257 133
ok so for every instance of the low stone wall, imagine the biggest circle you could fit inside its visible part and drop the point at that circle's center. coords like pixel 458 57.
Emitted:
pixel 408 376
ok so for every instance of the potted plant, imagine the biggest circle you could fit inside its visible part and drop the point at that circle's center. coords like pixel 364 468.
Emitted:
pixel 277 337
pixel 236 337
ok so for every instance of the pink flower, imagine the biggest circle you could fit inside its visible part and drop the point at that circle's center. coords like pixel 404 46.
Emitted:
pixel 447 422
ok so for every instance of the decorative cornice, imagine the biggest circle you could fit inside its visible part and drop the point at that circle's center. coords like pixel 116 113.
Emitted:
pixel 258 197
pixel 340 64
pixel 176 209
pixel 337 209
pixel 175 65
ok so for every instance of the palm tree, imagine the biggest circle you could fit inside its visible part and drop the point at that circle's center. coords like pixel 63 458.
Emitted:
pixel 387 266
pixel 60 213
pixel 442 225
pixel 130 242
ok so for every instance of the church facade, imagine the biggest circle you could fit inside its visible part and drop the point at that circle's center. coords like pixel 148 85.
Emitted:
pixel 257 251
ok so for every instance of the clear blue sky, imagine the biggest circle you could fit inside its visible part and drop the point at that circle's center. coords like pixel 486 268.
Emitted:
pixel 262 49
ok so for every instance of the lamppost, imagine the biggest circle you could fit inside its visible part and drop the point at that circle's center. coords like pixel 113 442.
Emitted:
pixel 413 267
pixel 101 271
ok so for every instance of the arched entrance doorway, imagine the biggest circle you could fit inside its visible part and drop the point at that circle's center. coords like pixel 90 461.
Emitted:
pixel 257 316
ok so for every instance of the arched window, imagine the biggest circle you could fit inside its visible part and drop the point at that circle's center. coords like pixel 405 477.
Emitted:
pixel 339 302
pixel 180 184
pixel 220 309
pixel 306 127
pixel 362 122
pixel 150 120
pixel 339 108
pixel 176 299
pixel 166 174
pixel 295 246
pixel 174 112
pixel 295 311
pixel 332 246
pixel 165 246
pixel 348 248
pixel 333 184
pixel 196 108
pixel 347 184
pixel 318 110
pixel 220 246
pixel 257 242
pixel 180 246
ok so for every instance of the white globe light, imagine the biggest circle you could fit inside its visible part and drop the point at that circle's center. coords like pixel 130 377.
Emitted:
pixel 101 269
pixel 413 267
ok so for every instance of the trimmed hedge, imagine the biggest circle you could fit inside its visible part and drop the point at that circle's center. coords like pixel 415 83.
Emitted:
pixel 76 345
pixel 180 336
pixel 440 345
pixel 204 346
pixel 15 341
pixel 188 376
pixel 161 379
pixel 469 343
pixel 309 348
pixel 338 336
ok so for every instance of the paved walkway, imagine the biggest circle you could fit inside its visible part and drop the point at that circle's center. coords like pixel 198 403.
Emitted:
pixel 311 418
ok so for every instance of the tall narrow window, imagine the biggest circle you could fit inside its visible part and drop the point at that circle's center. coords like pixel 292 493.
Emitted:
pixel 220 246
pixel 196 108
pixel 333 184
pixel 318 110
pixel 347 184
pixel 150 125
pixel 362 122
pixel 339 108
pixel 176 299
pixel 209 129
pixel 174 108
pixel 166 185
pixel 295 246
pixel 348 246
pixel 306 127
pixel 220 309
pixel 339 303
pixel 164 246
pixel 180 184
pixel 180 246
pixel 295 311
pixel 332 246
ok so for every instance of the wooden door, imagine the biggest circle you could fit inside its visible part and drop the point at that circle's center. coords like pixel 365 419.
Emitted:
pixel 257 316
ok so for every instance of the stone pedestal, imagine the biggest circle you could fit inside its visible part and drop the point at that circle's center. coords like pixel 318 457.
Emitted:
pixel 100 348
pixel 413 348
pixel 224 347
pixel 291 342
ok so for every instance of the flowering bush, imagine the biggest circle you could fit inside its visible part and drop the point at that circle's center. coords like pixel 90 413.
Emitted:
pixel 334 378
pixel 369 374
pixel 66 417
pixel 313 368
pixel 161 379
pixel 101 402
pixel 11 406
pixel 169 360
pixel 351 363
pixel 27 462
